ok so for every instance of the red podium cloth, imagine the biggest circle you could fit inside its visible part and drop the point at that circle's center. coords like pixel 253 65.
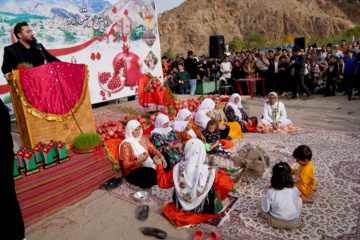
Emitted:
pixel 41 93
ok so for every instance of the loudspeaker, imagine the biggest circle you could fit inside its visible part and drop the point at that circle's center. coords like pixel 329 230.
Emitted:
pixel 216 48
pixel 300 42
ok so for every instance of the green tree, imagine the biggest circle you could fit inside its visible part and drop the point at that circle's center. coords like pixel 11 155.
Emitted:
pixel 257 40
pixel 169 54
pixel 288 39
pixel 236 43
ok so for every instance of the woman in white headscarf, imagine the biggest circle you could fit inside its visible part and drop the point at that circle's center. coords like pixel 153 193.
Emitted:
pixel 198 189
pixel 166 141
pixel 185 127
pixel 234 112
pixel 204 113
pixel 274 118
pixel 134 152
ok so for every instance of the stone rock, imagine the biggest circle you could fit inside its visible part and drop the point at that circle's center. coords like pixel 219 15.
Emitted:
pixel 188 26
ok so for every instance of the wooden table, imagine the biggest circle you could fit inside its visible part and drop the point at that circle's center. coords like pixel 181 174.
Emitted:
pixel 251 80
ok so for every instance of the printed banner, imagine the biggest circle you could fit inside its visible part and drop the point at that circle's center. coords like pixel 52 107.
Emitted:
pixel 117 39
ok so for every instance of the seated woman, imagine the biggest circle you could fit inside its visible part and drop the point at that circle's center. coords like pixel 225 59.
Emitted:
pixel 234 112
pixel 198 189
pixel 185 127
pixel 163 138
pixel 233 127
pixel 274 117
pixel 204 113
pixel 139 168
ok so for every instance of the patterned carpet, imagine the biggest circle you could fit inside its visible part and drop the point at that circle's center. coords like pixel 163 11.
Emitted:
pixel 336 211
pixel 53 189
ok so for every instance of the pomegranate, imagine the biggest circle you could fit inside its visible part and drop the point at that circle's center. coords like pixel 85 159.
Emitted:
pixel 128 65
pixel 102 137
pixel 116 136
pixel 163 89
pixel 111 133
pixel 165 111
pixel 99 130
pixel 105 125
pixel 152 117
pixel 104 78
pixel 107 137
pixel 114 84
pixel 152 90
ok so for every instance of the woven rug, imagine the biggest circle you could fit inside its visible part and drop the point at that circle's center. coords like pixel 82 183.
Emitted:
pixel 336 211
pixel 53 189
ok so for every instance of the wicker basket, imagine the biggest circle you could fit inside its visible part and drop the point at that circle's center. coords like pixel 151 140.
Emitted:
pixel 33 130
pixel 148 86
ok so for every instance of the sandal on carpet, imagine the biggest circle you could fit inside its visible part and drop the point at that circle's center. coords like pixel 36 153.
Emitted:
pixel 148 231
pixel 114 184
pixel 215 235
pixel 199 234
pixel 144 213
pixel 106 184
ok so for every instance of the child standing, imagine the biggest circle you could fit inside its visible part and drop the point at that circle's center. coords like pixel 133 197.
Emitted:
pixel 282 203
pixel 304 175
pixel 212 136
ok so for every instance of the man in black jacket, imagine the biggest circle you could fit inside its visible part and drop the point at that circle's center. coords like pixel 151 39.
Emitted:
pixel 299 64
pixel 25 50
pixel 191 68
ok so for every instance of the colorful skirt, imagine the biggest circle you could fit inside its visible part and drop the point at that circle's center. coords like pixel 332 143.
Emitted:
pixel 266 128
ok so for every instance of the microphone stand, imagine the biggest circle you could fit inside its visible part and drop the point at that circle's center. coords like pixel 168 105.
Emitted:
pixel 38 46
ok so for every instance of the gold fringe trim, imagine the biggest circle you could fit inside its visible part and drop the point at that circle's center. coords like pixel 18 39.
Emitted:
pixel 48 116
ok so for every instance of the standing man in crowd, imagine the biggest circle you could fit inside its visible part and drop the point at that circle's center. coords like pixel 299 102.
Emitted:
pixel 226 69
pixel 262 65
pixel 24 50
pixel 299 64
pixel 349 70
pixel 182 78
pixel 191 68
pixel 175 64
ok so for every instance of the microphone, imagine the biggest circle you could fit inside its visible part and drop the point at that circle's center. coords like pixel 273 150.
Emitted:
pixel 37 44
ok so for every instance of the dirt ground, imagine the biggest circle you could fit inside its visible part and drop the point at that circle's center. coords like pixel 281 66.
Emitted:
pixel 102 216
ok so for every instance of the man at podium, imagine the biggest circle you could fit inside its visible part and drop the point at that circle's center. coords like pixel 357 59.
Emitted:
pixel 25 50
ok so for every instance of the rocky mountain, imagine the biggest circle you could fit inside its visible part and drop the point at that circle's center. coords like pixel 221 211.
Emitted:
pixel 188 26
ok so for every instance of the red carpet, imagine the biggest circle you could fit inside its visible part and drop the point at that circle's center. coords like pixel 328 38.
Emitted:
pixel 51 190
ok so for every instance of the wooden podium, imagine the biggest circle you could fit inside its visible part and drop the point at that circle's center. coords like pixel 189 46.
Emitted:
pixel 33 130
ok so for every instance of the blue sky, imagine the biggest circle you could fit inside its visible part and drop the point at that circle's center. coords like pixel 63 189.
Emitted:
pixel 164 5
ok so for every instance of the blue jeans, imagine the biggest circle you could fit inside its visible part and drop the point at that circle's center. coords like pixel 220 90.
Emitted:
pixel 182 91
pixel 192 86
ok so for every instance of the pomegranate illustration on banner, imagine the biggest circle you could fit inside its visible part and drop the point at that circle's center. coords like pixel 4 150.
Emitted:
pixel 127 67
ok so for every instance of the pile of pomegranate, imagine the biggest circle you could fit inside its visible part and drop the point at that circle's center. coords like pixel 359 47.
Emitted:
pixel 116 129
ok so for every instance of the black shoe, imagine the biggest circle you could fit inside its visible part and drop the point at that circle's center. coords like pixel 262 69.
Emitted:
pixel 309 97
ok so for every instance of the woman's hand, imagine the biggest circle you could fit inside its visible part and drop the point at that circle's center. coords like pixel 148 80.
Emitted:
pixel 250 123
pixel 157 161
pixel 188 127
pixel 142 158
pixel 203 138
pixel 171 146
pixel 245 122
pixel 178 146
pixel 210 114
pixel 164 163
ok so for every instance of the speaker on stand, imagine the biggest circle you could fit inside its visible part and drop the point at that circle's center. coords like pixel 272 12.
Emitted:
pixel 300 42
pixel 216 50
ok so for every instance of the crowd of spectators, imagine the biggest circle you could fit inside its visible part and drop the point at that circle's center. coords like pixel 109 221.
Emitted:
pixel 287 71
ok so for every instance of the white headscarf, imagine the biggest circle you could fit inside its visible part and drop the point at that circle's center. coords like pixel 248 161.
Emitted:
pixel 201 118
pixel 192 178
pixel 235 106
pixel 161 119
pixel 134 142
pixel 275 109
pixel 180 124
